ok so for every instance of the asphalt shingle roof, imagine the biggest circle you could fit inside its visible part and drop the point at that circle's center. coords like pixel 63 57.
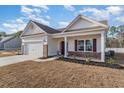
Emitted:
pixel 47 29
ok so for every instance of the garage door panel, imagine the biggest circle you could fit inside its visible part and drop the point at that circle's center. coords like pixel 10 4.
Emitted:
pixel 35 49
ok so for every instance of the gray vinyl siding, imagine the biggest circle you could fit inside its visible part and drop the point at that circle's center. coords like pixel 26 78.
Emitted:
pixel 12 44
pixel 1 45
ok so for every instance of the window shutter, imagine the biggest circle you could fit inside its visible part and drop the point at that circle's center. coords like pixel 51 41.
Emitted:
pixel 94 45
pixel 75 45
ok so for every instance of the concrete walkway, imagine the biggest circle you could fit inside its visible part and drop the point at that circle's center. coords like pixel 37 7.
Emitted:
pixel 15 59
pixel 48 59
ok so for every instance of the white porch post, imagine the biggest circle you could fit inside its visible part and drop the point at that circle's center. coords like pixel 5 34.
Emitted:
pixel 65 54
pixel 102 47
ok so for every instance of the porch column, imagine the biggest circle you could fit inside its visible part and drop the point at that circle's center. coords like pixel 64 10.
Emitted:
pixel 65 40
pixel 102 47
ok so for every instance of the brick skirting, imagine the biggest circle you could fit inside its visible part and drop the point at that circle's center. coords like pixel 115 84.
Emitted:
pixel 119 56
pixel 93 55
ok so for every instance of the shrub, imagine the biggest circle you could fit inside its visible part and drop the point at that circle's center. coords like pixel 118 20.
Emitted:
pixel 61 57
pixel 111 61
pixel 88 59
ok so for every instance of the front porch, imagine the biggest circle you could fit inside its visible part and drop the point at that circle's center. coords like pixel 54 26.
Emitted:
pixel 82 46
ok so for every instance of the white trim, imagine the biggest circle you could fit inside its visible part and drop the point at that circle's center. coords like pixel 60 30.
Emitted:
pixel 39 27
pixel 32 41
pixel 85 45
pixel 86 18
pixel 91 44
pixel 32 36
pixel 27 26
pixel 103 47
pixel 65 40
pixel 77 34
pixel 78 45
pixel 72 22
pixel 84 32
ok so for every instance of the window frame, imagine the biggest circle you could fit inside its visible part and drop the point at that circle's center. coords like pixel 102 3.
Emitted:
pixel 84 45
pixel 91 45
pixel 78 45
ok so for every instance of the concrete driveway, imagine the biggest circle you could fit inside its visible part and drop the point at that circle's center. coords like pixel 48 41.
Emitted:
pixel 15 59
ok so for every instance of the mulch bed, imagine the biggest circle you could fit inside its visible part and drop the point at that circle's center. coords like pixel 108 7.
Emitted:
pixel 102 64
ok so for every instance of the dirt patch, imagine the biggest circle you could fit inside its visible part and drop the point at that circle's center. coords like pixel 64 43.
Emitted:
pixel 59 74
pixel 8 53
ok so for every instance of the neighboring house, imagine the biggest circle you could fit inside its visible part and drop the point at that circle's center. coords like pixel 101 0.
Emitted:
pixel 10 43
pixel 82 38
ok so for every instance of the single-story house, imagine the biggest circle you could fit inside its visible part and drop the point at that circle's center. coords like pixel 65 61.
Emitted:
pixel 11 42
pixel 82 38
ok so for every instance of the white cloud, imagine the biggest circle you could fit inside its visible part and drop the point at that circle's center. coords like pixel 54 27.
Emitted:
pixel 96 13
pixel 8 25
pixel 63 24
pixel 48 17
pixel 36 14
pixel 44 8
pixel 101 14
pixel 39 19
pixel 14 25
pixel 26 9
pixel 120 19
pixel 114 10
pixel 69 7
pixel 37 10
pixel 41 6
pixel 19 20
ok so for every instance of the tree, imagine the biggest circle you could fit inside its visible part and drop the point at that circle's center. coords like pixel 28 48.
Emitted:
pixel 120 35
pixel 117 34
pixel 112 31
pixel 2 34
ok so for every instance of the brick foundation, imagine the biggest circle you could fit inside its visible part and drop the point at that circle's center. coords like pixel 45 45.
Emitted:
pixel 93 55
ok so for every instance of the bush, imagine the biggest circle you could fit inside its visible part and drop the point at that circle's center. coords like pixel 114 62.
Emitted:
pixel 61 57
pixel 88 60
pixel 111 61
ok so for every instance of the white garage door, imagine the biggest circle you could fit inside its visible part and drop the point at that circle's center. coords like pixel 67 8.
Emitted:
pixel 35 49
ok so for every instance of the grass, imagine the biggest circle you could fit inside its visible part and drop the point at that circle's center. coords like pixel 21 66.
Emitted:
pixel 59 73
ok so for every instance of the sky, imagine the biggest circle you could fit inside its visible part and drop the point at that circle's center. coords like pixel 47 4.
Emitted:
pixel 14 18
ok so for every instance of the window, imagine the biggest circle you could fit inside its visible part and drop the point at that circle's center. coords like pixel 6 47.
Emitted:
pixel 88 44
pixel 80 45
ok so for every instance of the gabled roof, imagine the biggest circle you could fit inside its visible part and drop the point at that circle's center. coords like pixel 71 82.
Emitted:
pixel 60 29
pixel 47 29
pixel 86 18
pixel 50 30
pixel 4 39
pixel 11 36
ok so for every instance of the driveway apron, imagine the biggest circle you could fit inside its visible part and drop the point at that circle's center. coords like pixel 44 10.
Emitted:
pixel 15 59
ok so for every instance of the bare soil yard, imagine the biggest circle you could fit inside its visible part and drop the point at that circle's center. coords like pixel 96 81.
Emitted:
pixel 8 53
pixel 59 74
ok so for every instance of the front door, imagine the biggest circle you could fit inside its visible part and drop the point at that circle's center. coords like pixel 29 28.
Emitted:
pixel 62 47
